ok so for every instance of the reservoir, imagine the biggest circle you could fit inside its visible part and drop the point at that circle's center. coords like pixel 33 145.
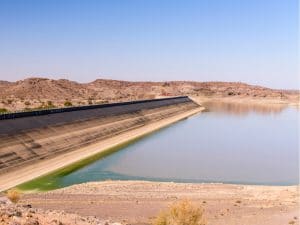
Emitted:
pixel 229 143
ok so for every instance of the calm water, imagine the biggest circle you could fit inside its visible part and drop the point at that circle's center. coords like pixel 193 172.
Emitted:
pixel 232 143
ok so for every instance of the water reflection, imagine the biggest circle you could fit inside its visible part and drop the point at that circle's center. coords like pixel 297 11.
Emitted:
pixel 233 143
pixel 243 108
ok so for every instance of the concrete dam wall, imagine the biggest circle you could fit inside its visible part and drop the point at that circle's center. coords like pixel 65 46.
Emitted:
pixel 12 123
pixel 30 137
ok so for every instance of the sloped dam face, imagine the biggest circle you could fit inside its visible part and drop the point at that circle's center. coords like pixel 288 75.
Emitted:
pixel 31 137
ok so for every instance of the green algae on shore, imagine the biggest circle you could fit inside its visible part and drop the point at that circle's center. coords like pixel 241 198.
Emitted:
pixel 51 180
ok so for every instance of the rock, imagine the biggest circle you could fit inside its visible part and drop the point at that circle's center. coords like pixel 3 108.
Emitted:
pixel 12 214
pixel 32 222
pixel 27 206
pixel 5 200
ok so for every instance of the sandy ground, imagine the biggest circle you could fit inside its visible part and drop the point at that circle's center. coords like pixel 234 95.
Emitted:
pixel 26 173
pixel 256 102
pixel 137 202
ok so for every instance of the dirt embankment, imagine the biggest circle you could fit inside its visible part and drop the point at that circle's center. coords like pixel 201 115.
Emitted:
pixel 137 202
pixel 35 93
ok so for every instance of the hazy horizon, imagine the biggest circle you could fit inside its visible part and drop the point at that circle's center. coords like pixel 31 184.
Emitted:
pixel 254 42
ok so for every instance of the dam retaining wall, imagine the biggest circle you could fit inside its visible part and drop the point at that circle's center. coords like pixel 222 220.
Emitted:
pixel 12 123
pixel 35 136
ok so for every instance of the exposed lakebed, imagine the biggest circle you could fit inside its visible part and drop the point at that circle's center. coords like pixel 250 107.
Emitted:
pixel 231 143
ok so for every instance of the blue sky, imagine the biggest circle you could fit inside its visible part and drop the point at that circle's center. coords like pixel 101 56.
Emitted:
pixel 253 41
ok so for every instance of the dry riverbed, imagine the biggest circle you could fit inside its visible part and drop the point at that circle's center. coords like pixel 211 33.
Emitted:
pixel 137 202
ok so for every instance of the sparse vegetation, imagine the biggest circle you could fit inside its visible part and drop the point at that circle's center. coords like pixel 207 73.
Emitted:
pixel 3 110
pixel 181 213
pixel 68 103
pixel 13 195
pixel 166 84
pixel 50 104
pixel 127 91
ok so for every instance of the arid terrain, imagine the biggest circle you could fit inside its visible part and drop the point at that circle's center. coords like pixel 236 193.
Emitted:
pixel 25 214
pixel 36 93
pixel 138 202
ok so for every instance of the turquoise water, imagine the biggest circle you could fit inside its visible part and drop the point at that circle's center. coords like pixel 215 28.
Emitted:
pixel 230 143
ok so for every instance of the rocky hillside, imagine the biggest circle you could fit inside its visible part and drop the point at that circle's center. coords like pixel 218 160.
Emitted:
pixel 35 93
pixel 17 214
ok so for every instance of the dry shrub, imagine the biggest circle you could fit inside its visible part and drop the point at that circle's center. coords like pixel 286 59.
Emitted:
pixel 68 103
pixel 3 110
pixel 181 213
pixel 13 195
pixel 27 103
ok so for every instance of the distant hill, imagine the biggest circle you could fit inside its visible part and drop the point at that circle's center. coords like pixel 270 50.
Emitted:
pixel 41 92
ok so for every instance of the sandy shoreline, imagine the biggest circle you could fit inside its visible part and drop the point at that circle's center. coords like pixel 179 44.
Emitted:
pixel 268 102
pixel 137 202
pixel 38 169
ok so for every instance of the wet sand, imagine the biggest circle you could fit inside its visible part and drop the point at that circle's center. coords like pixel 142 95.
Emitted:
pixel 137 202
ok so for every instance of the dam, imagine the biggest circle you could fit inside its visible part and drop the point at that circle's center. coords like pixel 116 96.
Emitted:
pixel 35 143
